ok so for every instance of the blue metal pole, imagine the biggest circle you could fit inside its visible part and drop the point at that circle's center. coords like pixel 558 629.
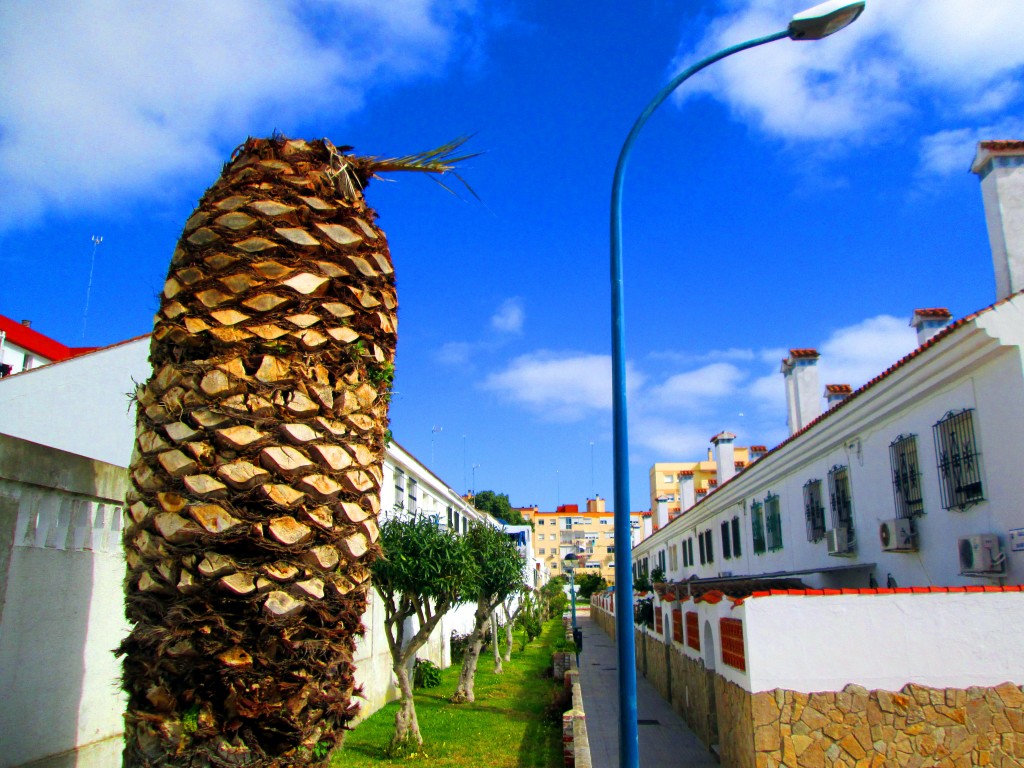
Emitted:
pixel 629 741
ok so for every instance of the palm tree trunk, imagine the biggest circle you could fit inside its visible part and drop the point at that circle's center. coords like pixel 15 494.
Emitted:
pixel 257 469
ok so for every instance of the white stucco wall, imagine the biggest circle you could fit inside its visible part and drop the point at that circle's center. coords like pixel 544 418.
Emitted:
pixel 883 641
pixel 81 405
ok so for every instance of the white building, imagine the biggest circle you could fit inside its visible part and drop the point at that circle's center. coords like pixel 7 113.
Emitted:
pixel 22 348
pixel 911 480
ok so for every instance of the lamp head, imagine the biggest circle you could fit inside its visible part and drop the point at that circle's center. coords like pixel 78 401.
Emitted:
pixel 825 19
pixel 570 560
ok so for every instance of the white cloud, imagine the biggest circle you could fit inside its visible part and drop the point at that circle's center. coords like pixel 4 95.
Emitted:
pixel 105 98
pixel 900 56
pixel 560 387
pixel 509 317
pixel 710 382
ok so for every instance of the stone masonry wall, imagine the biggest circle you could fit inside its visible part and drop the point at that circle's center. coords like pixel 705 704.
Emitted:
pixel 735 725
pixel 946 728
pixel 690 692
pixel 657 666
pixel 604 619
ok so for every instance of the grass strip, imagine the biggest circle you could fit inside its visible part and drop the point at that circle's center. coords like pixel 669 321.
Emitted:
pixel 515 722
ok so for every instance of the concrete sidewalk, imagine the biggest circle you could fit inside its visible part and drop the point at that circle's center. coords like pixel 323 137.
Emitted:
pixel 665 741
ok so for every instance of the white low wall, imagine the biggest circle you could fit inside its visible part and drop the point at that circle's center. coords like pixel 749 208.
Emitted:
pixel 884 641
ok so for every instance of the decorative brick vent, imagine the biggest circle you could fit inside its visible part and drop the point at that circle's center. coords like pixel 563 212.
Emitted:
pixel 677 625
pixel 658 627
pixel 733 651
pixel 692 630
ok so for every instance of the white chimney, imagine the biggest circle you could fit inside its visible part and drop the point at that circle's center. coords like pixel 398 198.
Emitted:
pixel 836 393
pixel 928 322
pixel 661 513
pixel 725 455
pixel 803 403
pixel 1000 166
pixel 687 494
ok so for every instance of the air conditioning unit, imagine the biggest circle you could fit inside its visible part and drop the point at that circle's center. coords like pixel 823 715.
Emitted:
pixel 839 542
pixel 981 554
pixel 897 535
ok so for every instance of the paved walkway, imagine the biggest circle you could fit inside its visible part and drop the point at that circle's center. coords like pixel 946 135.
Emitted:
pixel 664 743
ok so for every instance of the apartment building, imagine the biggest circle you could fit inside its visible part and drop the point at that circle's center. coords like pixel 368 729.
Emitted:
pixel 590 534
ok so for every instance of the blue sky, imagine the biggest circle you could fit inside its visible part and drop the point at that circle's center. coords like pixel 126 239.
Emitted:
pixel 797 195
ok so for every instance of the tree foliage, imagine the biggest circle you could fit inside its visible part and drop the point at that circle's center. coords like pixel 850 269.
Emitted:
pixel 425 570
pixel 587 583
pixel 498 574
pixel 497 505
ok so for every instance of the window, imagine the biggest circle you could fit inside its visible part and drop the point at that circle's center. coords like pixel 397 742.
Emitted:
pixel 412 494
pixel 726 541
pixel 906 478
pixel 709 546
pixel 604 521
pixel 611 550
pixel 542 551
pixel 757 527
pixel 736 551
pixel 687 562
pixel 465 525
pixel 839 499
pixel 958 459
pixel 673 557
pixel 772 522
pixel 399 489
pixel 814 512
pixel 668 478
pixel 689 545
pixel 452 518
pixel 703 554
pixel 567 523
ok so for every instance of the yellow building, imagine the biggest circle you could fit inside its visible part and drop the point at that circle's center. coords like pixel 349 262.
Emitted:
pixel 665 478
pixel 590 534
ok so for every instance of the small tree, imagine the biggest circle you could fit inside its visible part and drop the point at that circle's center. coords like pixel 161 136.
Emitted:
pixel 423 573
pixel 512 614
pixel 553 599
pixel 499 573
pixel 588 583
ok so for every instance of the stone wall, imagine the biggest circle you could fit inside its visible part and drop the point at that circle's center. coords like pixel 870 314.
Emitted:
pixel 735 725
pixel 690 693
pixel 657 666
pixel 605 620
pixel 947 728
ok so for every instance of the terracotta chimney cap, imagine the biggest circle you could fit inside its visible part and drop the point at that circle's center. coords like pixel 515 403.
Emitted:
pixel 722 437
pixel 759 448
pixel 804 354
pixel 838 389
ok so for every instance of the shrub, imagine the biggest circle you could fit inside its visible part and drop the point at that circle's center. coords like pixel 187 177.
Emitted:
pixel 426 674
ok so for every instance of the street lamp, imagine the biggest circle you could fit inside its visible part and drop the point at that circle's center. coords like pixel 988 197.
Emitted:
pixel 570 564
pixel 813 24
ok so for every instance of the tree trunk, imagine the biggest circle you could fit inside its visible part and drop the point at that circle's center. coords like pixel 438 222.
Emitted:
pixel 495 643
pixel 464 691
pixel 509 622
pixel 407 727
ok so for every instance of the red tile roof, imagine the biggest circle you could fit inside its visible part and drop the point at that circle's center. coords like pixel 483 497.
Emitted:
pixel 838 389
pixel 884 591
pixel 758 448
pixel 686 473
pixel 37 343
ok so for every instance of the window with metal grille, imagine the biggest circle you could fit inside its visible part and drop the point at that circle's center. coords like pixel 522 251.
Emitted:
pixel 958 459
pixel 814 512
pixel 736 550
pixel 772 522
pixel 734 653
pixel 839 498
pixel 692 630
pixel 757 527
pixel 726 541
pixel 906 478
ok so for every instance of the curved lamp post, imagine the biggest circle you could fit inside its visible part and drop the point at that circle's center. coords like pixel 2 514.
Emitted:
pixel 813 24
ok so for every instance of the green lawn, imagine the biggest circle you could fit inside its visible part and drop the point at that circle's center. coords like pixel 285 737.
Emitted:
pixel 512 722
